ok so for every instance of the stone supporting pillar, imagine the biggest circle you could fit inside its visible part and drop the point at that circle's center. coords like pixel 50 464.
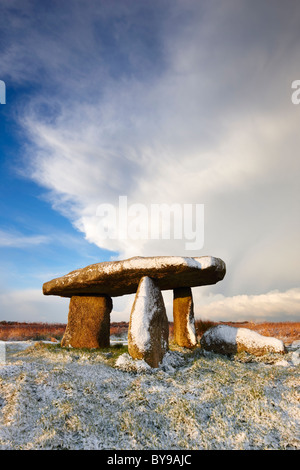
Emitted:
pixel 184 321
pixel 88 322
pixel 148 333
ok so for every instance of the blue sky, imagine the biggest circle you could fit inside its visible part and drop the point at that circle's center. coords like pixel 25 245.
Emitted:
pixel 164 102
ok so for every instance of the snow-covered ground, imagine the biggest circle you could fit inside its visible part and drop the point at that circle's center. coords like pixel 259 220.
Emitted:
pixel 51 398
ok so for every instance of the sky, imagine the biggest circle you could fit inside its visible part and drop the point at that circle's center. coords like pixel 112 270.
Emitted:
pixel 169 101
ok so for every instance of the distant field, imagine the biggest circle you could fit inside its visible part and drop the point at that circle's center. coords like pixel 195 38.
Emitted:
pixel 22 331
pixel 19 331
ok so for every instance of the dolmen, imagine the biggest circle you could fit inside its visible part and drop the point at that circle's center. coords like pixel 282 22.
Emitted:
pixel 91 290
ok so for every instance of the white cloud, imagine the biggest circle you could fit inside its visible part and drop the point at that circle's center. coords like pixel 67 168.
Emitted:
pixel 210 122
pixel 247 189
pixel 272 306
pixel 31 305
pixel 15 240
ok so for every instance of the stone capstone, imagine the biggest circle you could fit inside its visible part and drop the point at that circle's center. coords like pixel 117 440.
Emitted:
pixel 117 278
pixel 88 322
pixel 229 340
pixel 91 288
pixel 148 331
pixel 183 315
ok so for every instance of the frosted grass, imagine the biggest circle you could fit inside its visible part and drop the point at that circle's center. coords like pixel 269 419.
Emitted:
pixel 67 399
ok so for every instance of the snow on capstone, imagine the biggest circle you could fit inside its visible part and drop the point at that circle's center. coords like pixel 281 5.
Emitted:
pixel 115 278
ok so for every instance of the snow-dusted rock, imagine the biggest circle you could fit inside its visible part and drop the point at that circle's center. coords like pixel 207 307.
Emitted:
pixel 126 363
pixel 116 278
pixel 184 321
pixel 230 340
pixel 171 361
pixel 148 331
pixel 296 357
pixel 282 363
pixel 295 345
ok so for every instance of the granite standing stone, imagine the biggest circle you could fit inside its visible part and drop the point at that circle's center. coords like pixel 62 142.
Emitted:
pixel 88 322
pixel 183 315
pixel 148 332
